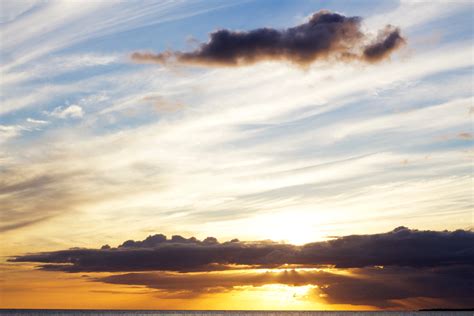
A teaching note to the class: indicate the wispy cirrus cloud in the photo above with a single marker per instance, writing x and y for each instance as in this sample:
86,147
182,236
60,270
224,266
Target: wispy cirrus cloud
55,30
8,132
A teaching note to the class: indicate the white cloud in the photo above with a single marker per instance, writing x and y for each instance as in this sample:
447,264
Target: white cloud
59,24
58,65
72,111
407,14
8,131
35,121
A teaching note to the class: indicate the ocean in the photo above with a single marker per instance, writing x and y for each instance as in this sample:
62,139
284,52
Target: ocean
223,313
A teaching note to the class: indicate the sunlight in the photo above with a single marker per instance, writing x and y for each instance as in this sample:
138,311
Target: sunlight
290,228
282,296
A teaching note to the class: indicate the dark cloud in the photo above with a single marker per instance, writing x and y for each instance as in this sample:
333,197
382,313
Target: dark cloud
390,286
385,288
194,284
403,268
401,247
325,35
387,41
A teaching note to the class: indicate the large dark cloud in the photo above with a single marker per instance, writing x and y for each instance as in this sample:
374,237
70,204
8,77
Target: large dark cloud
387,287
449,287
325,35
401,247
403,268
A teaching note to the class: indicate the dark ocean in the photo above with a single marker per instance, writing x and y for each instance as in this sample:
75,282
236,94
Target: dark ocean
223,313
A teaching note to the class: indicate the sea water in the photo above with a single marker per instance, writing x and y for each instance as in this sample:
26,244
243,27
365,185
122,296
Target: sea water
223,313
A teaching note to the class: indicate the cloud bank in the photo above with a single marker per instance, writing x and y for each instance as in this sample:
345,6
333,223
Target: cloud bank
403,268
401,247
325,36
391,287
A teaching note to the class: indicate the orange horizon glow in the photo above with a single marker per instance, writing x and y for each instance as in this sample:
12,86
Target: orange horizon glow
56,290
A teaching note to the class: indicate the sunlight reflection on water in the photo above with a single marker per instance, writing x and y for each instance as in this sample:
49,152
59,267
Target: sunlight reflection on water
225,313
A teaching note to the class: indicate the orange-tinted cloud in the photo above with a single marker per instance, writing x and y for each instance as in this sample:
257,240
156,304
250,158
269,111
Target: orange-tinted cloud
162,104
465,135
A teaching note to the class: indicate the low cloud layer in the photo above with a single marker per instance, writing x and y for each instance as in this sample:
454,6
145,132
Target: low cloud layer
391,287
403,268
325,36
401,247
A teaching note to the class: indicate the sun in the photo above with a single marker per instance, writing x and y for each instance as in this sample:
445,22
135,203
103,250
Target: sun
292,228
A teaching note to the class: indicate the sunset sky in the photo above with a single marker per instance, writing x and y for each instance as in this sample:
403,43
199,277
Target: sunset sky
325,147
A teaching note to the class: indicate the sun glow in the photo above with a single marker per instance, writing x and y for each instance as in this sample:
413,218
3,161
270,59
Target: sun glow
273,296
290,228
48,288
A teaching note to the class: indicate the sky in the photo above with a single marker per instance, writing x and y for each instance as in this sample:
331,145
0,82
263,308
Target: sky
304,154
